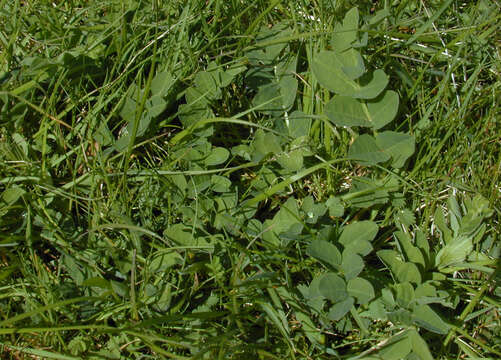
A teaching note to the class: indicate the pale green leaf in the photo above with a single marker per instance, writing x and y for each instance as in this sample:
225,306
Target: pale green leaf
399,146
217,156
325,252
361,289
292,160
220,183
333,287
396,349
335,206
424,316
454,252
347,111
346,33
404,294
264,143
161,83
411,252
357,236
340,309
366,151
419,346
351,265
383,109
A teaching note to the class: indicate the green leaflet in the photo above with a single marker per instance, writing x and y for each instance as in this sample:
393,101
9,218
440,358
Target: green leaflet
347,111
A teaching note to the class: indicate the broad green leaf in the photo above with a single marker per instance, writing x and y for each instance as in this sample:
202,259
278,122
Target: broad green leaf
180,234
333,287
190,114
23,145
155,106
325,252
335,206
401,270
419,345
411,252
424,316
226,77
312,210
12,194
292,160
264,143
270,52
407,272
360,230
399,146
422,243
207,85
396,349
97,282
351,265
347,111
425,290
308,327
340,309
220,183
195,97
352,63
360,289
346,33
383,109
404,294
163,260
370,88
299,124
287,218
366,192
400,316
357,236
217,156
379,16
128,110
161,83
269,236
454,252
439,221
477,210
242,151
276,98
327,68
365,151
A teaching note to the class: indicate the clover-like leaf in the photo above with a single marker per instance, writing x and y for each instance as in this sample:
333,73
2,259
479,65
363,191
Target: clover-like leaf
217,156
325,252
333,287
333,71
361,289
366,151
372,88
347,111
340,309
454,252
399,146
351,265
424,316
357,236
345,34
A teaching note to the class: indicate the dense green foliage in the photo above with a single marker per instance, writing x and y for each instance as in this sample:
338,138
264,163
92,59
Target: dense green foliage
308,179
